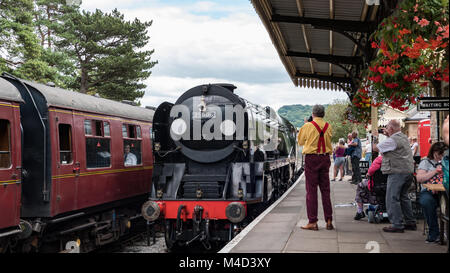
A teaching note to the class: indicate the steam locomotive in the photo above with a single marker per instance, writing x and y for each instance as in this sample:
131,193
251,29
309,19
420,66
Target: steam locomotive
63,179
219,160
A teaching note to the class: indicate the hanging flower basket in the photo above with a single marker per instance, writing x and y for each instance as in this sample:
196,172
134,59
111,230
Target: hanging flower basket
413,47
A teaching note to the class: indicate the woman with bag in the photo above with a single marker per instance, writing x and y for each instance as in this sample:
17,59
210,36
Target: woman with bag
430,171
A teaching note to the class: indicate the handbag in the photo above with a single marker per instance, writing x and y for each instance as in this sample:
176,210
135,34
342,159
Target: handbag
349,151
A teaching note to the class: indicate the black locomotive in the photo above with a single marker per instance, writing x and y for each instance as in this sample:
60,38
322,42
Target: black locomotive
219,160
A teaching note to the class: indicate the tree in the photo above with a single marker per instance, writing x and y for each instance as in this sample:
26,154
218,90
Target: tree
109,53
48,16
296,113
21,53
335,115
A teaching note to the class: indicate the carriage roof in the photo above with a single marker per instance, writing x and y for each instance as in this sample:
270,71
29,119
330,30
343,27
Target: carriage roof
62,98
9,92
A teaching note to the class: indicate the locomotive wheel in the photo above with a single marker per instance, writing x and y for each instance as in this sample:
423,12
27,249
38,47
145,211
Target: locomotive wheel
3,245
169,235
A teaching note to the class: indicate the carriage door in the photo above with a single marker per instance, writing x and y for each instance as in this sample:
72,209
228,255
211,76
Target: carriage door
67,166
10,161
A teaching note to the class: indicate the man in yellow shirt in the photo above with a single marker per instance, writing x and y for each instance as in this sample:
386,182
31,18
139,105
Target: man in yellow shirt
315,137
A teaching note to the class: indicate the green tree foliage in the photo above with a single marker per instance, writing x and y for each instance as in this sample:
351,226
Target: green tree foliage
49,40
20,53
48,15
335,115
108,51
296,113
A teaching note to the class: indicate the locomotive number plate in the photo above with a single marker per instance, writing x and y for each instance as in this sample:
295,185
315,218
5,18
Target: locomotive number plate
203,115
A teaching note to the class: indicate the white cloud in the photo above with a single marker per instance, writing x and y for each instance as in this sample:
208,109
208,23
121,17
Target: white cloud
210,42
165,88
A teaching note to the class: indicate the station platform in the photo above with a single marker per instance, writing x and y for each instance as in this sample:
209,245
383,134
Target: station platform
277,230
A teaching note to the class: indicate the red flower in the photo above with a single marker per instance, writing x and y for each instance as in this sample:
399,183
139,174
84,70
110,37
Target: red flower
376,79
446,32
404,31
391,85
373,69
374,45
424,22
390,71
381,70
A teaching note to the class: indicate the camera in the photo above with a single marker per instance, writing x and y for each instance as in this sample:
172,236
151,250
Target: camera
310,119
381,131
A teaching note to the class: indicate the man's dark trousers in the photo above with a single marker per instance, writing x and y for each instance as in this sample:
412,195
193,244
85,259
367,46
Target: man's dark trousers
356,177
317,170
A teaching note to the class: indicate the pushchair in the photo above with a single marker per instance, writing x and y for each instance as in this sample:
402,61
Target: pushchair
377,213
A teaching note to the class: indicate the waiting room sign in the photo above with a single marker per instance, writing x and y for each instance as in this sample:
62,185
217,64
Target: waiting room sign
433,104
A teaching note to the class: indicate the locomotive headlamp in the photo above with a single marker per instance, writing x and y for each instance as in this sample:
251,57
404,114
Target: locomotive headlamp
157,146
240,193
150,211
159,193
235,212
227,127
199,193
245,144
178,127
202,104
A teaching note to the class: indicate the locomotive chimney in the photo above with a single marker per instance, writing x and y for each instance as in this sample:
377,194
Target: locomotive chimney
228,86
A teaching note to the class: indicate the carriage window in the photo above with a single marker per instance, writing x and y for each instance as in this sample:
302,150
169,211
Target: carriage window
132,147
5,152
124,131
98,128
65,144
87,127
98,148
138,132
98,153
132,152
106,129
131,131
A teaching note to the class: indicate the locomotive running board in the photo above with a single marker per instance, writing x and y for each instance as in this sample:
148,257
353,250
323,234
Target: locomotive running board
278,163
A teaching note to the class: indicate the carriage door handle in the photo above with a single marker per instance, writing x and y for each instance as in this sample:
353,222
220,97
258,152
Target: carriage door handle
76,170
15,175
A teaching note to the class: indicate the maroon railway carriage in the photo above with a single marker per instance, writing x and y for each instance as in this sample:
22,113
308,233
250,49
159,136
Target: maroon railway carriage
78,183
10,161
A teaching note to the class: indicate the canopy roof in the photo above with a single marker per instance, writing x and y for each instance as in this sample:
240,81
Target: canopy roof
323,43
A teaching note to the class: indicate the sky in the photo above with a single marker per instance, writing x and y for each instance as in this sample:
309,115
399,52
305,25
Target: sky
217,41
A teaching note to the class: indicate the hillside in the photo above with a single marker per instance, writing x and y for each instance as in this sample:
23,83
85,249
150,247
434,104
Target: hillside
296,113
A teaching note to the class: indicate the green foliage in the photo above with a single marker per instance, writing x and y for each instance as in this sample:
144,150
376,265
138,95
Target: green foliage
20,51
296,113
334,114
109,53
93,52
23,51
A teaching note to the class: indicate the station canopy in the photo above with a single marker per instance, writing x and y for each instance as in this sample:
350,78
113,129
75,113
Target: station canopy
324,43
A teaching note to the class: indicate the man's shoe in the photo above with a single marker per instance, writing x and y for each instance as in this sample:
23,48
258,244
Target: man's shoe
359,215
431,241
393,229
410,227
330,225
311,226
